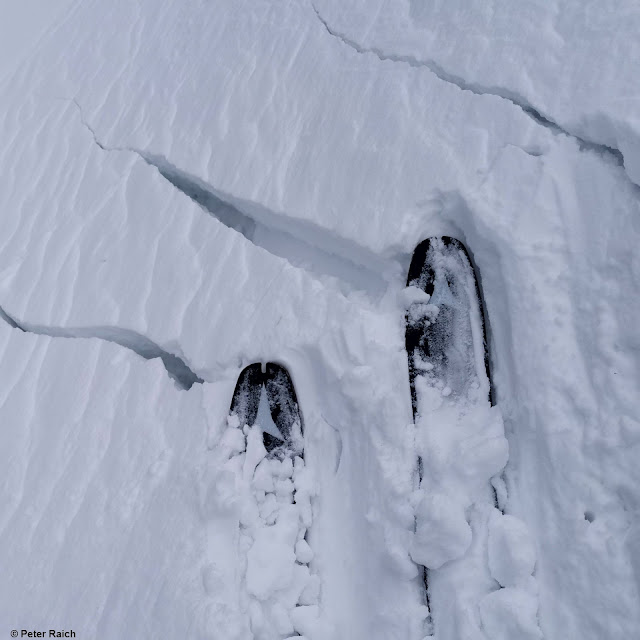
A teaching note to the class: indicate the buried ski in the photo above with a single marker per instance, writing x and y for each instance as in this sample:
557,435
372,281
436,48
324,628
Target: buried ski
275,491
459,435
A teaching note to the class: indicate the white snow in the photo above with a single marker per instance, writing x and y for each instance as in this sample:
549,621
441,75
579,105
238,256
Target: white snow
324,142
557,58
510,613
23,24
442,531
512,555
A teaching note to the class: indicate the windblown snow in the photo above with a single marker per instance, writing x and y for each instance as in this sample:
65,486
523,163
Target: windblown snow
191,187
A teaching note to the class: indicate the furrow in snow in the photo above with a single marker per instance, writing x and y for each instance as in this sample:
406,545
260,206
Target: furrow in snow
175,366
303,244
477,89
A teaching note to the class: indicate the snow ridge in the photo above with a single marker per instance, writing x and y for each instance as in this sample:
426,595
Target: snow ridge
302,244
175,366
477,89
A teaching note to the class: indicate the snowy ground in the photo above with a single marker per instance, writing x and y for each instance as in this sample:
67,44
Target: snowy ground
211,184
23,25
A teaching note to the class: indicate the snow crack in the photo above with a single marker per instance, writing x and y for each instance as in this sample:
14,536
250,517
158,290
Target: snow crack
302,243
464,85
90,128
143,346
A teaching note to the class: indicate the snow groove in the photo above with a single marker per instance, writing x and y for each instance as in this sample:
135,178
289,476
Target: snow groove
175,366
464,85
303,244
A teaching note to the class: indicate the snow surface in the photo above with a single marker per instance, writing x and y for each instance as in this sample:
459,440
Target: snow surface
23,24
208,185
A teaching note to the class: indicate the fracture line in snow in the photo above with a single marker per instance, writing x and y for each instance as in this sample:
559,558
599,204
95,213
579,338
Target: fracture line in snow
89,128
303,244
477,89
175,366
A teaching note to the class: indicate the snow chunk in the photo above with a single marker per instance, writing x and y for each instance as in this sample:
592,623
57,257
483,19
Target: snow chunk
232,442
269,509
255,452
281,619
263,477
512,555
304,553
461,451
269,567
442,531
305,619
510,613
412,295
311,593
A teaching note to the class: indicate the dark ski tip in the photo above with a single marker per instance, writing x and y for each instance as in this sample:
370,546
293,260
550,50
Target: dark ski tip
283,406
429,336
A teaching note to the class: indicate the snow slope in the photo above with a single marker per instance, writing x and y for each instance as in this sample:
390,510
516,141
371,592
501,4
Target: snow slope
570,65
23,25
101,454
231,182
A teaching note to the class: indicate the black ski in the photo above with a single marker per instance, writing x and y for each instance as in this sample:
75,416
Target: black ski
246,396
277,490
438,337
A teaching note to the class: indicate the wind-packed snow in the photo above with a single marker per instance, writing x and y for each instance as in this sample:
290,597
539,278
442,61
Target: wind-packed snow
23,25
512,555
571,66
209,185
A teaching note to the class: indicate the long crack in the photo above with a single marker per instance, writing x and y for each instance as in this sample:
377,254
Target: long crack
464,85
299,251
302,243
175,366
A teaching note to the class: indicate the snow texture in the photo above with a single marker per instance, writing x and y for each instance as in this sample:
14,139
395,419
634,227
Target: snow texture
220,184
512,555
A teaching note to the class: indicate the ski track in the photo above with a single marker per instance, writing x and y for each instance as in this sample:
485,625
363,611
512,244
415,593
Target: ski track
447,597
303,244
464,85
276,491
177,369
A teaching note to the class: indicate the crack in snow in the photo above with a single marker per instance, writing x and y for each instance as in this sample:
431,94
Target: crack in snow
477,89
301,243
339,443
143,346
90,128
